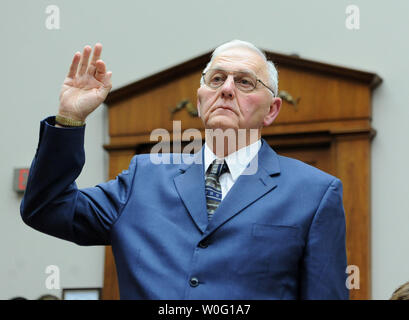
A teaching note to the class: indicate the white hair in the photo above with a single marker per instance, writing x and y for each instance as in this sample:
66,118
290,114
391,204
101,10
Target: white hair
271,70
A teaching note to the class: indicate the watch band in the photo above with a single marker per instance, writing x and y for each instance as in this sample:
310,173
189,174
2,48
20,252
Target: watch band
68,122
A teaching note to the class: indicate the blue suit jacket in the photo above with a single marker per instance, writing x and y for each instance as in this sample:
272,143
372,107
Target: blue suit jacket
278,234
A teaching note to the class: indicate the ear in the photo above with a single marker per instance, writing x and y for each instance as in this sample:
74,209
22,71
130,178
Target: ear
274,110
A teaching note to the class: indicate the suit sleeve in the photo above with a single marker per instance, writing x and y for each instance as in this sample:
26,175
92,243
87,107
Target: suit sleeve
53,204
323,270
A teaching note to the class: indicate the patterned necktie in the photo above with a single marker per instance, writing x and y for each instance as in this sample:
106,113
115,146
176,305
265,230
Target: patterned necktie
213,188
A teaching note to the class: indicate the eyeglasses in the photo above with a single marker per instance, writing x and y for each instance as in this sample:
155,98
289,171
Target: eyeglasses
244,81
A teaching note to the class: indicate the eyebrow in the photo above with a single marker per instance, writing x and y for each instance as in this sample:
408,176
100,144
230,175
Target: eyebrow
239,71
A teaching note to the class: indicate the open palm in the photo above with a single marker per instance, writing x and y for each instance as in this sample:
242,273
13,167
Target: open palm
86,85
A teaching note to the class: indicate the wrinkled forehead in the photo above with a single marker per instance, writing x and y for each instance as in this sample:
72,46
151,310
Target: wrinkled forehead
241,59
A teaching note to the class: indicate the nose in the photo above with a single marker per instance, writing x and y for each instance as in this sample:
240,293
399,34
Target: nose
228,88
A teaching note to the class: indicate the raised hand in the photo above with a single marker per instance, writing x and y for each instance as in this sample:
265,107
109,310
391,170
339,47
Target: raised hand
86,85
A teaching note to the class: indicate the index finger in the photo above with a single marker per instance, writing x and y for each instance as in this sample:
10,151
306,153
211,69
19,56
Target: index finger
74,65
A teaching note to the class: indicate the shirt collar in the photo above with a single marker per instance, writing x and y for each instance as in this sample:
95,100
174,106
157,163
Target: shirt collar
237,161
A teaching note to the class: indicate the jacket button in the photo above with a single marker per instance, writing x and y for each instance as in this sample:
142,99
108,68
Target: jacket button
194,282
203,244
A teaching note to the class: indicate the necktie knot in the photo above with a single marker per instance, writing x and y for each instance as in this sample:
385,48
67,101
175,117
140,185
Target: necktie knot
217,168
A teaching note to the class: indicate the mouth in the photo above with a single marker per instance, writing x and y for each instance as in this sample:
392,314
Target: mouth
223,107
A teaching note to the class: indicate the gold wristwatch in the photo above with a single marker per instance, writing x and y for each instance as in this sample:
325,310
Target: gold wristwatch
68,122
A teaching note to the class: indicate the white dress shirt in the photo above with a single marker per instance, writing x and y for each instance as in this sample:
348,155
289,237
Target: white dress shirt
237,163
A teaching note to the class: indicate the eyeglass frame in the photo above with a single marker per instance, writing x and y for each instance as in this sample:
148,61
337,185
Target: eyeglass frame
229,72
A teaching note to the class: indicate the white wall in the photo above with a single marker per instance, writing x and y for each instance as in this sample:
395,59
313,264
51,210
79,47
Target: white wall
143,37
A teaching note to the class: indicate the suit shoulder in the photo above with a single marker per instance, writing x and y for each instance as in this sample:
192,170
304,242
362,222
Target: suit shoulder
303,171
165,161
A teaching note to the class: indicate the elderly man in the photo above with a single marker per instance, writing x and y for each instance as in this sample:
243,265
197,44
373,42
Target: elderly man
211,229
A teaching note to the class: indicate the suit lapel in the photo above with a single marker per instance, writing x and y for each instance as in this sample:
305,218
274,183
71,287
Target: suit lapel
190,185
248,188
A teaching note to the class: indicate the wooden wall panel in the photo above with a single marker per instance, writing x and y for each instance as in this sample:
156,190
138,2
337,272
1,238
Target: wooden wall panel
353,168
322,97
148,110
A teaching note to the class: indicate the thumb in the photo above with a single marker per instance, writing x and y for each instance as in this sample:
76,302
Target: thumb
106,85
106,81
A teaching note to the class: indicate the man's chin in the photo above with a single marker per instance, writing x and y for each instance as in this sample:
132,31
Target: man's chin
222,122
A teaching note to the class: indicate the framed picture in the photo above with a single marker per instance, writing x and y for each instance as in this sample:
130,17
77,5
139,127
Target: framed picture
81,294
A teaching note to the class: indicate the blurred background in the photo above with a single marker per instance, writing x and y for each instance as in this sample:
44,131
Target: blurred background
141,38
